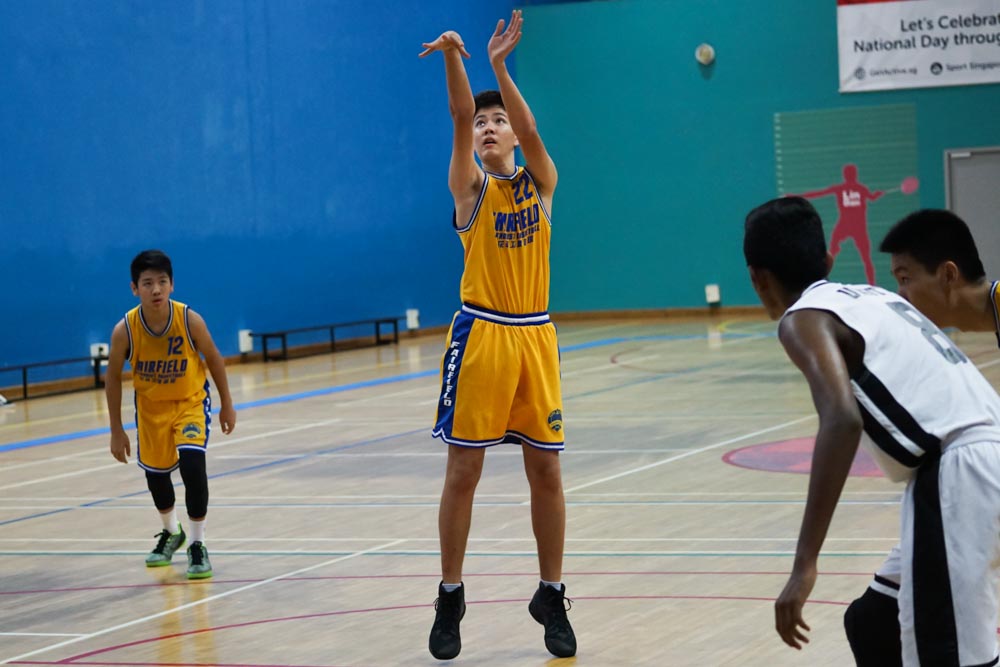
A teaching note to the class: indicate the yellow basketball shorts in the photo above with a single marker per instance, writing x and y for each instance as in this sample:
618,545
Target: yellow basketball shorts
164,427
500,381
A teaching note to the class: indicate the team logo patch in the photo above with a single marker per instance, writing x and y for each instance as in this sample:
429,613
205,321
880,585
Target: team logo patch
192,431
555,420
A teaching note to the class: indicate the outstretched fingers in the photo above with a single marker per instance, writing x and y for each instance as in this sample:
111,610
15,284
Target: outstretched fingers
447,41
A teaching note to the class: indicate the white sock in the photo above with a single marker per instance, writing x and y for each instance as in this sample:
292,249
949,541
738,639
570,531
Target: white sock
451,588
553,584
197,530
169,520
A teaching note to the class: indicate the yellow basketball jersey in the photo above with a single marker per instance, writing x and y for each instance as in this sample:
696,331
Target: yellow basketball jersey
165,365
507,247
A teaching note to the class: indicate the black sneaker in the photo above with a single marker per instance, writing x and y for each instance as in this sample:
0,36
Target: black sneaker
549,607
166,544
445,642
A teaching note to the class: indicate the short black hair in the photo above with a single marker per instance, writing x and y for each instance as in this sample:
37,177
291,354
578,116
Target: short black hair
151,260
487,99
785,236
934,236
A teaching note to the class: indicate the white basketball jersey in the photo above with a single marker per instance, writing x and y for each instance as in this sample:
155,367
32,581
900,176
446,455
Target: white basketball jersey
918,393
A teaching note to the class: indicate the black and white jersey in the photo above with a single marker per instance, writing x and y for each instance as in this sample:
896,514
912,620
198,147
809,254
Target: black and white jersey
918,393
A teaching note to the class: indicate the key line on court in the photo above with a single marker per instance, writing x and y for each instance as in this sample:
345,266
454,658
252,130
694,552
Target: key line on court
215,445
104,507
196,603
95,504
700,450
644,380
360,385
892,494
263,553
251,538
40,634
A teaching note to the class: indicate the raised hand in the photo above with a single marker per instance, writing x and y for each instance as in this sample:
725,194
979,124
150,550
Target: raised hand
503,41
448,41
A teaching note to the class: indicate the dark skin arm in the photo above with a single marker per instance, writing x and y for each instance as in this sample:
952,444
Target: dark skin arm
825,350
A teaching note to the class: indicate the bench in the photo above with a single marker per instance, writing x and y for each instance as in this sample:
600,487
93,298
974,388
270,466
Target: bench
94,362
283,334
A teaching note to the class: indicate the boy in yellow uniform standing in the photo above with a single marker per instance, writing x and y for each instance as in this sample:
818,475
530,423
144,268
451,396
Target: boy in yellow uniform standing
500,373
164,341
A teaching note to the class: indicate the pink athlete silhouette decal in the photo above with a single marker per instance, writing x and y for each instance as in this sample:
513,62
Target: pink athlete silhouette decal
852,207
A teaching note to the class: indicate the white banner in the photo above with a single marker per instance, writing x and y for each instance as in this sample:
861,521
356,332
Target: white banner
887,44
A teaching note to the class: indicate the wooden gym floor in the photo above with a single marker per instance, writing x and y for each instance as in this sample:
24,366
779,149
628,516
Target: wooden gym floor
687,444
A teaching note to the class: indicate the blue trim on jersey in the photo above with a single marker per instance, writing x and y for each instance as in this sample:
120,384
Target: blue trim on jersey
206,403
541,204
170,321
187,330
504,177
131,346
475,211
522,320
138,436
508,438
450,370
159,470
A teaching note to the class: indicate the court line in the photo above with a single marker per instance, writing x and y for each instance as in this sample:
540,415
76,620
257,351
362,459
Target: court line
97,503
643,540
102,505
797,494
444,454
690,453
349,387
75,660
215,445
644,380
189,605
49,461
362,577
691,553
40,634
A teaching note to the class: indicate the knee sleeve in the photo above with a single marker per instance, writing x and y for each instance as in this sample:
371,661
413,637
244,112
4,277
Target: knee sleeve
872,626
161,488
195,476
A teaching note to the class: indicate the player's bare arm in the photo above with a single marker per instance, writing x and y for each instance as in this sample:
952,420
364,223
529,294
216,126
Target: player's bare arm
121,449
465,178
216,366
814,340
522,121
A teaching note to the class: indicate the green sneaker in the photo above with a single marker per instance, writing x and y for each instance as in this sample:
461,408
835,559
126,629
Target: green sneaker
166,545
199,567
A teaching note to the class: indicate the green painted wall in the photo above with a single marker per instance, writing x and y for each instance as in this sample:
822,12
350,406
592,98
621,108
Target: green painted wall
660,159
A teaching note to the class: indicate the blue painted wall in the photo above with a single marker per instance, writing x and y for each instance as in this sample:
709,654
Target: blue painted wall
291,158
660,160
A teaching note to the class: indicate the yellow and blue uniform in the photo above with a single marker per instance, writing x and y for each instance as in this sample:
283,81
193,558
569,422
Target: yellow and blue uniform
500,372
172,400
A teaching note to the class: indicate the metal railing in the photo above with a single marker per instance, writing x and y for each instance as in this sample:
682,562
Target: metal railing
95,363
